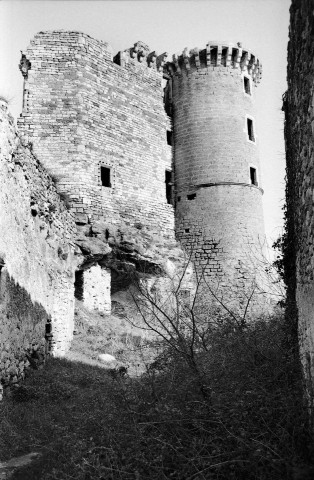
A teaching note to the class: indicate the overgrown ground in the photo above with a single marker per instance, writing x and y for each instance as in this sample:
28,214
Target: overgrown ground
231,411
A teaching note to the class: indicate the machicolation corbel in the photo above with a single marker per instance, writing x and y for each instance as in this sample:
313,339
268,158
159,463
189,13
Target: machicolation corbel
151,59
161,60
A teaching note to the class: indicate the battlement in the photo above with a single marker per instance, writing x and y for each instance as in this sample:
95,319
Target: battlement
216,54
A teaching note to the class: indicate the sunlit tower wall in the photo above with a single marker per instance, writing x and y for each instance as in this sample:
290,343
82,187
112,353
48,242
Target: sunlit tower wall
210,96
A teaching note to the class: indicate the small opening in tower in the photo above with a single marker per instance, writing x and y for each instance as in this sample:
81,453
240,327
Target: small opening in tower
247,85
191,196
105,176
169,137
250,130
187,230
179,199
253,176
168,181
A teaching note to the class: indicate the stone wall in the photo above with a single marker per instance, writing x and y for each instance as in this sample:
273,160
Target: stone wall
36,258
299,131
83,112
92,286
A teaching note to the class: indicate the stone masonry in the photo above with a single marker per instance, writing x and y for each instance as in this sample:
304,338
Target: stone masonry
218,197
102,126
37,262
116,158
94,284
299,136
99,127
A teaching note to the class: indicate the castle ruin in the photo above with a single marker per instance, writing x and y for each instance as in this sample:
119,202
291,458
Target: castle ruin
143,152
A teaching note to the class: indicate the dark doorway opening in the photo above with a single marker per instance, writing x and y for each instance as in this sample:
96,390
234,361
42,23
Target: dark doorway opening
169,184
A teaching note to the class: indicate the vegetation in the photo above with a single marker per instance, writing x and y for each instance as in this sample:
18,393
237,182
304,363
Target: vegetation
231,409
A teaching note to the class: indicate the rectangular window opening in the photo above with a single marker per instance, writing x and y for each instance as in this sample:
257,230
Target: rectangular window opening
187,230
169,137
105,177
191,196
250,130
179,199
247,85
253,176
169,184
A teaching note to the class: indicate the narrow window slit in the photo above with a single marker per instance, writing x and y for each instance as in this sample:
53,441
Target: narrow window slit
169,137
168,181
250,130
247,85
191,196
253,176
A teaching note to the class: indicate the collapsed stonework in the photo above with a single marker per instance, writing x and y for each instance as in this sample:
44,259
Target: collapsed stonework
298,106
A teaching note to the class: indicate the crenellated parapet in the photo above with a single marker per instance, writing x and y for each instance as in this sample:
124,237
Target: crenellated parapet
140,53
216,54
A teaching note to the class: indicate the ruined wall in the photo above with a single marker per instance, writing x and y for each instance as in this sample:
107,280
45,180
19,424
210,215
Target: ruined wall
219,216
92,286
82,112
299,131
36,258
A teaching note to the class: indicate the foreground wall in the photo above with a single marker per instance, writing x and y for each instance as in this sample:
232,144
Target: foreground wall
299,131
36,259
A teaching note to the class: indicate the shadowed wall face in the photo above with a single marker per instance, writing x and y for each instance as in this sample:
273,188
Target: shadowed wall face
299,131
36,251
23,327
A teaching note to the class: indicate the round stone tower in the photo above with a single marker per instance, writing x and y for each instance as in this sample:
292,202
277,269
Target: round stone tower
218,195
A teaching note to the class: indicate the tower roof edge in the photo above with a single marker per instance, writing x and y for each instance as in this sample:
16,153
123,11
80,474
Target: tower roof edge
216,54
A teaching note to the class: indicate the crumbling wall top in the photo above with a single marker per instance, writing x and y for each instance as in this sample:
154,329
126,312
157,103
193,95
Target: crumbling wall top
140,54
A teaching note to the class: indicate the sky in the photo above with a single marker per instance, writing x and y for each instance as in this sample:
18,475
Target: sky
170,26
